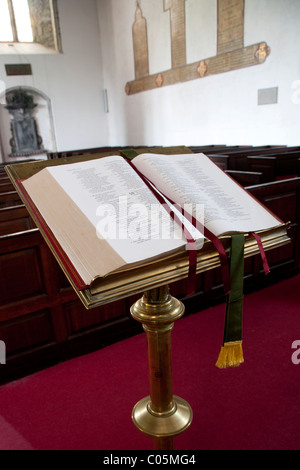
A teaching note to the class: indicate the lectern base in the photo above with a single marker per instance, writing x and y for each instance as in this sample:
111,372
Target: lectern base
162,425
160,415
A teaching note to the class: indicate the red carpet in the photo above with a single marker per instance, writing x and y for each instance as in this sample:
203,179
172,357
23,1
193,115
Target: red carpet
86,403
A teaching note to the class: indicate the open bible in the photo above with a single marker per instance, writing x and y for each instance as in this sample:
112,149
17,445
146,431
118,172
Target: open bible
109,215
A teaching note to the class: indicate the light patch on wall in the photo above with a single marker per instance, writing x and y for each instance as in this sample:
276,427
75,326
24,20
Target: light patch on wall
105,101
267,96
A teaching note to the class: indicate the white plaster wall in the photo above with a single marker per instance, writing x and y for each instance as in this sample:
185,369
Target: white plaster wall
72,80
220,109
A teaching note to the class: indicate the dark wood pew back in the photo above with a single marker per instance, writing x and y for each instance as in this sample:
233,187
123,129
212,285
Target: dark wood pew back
15,219
265,165
222,161
10,198
283,199
6,185
246,178
237,157
42,321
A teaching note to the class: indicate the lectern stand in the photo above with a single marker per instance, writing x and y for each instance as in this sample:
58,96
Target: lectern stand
160,415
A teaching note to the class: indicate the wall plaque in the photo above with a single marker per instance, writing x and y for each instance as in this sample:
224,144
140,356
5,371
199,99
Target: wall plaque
231,53
267,96
230,25
140,43
18,69
178,36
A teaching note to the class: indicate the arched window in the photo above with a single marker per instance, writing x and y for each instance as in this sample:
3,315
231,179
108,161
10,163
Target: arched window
33,24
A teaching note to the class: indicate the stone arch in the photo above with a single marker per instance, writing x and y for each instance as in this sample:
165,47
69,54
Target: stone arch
41,124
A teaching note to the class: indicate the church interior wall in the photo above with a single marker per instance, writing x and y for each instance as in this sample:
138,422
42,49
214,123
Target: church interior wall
217,109
72,80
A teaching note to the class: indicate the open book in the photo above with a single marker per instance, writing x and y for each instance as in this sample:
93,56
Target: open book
109,214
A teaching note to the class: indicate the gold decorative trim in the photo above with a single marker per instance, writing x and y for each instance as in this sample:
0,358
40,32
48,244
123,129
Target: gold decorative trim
262,52
159,80
202,68
234,60
231,53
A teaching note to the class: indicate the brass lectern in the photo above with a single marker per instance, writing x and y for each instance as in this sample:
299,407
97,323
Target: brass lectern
161,415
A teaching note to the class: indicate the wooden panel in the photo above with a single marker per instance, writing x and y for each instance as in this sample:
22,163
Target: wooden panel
283,198
14,219
279,255
20,275
230,25
284,205
28,331
235,60
246,178
41,317
78,318
6,185
178,33
10,198
265,165
222,161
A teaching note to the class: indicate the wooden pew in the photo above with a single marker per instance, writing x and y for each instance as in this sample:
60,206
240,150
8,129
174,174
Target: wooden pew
284,162
6,185
10,198
15,219
238,160
254,150
86,151
208,149
42,321
238,156
283,199
274,166
246,178
237,149
267,166
222,161
75,152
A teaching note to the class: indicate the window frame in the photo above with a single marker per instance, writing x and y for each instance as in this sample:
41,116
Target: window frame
40,41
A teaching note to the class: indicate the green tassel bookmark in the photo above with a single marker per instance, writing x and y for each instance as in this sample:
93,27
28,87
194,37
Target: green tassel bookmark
231,354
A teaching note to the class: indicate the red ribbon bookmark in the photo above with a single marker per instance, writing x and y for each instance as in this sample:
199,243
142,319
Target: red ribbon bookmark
262,252
190,240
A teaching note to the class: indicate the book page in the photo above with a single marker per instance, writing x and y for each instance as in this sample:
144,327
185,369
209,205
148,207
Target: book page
55,210
195,179
121,208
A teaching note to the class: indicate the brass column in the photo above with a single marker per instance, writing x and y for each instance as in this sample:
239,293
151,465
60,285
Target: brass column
160,415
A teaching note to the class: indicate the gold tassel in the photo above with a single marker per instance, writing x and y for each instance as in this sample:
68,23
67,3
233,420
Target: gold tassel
231,355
